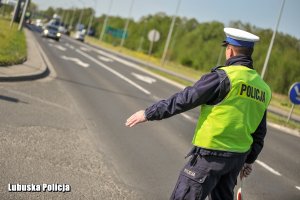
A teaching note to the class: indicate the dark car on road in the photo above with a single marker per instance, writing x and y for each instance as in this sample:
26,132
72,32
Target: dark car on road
51,31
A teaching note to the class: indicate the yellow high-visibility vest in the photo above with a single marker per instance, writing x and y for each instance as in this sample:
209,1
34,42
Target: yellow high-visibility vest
228,125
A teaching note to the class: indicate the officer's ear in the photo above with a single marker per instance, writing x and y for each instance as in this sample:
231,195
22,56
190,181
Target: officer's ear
230,51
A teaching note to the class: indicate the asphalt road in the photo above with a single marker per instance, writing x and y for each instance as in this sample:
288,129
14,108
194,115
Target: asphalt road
108,89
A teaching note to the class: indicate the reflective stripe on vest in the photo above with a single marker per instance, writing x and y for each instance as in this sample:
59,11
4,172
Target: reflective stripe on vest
228,125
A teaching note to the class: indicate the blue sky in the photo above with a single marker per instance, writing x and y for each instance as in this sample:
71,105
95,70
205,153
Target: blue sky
261,13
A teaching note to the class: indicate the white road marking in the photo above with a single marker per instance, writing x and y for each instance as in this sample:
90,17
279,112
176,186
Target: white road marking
114,72
297,187
156,98
146,79
137,67
70,46
84,49
76,60
189,117
105,59
132,65
267,167
60,47
51,41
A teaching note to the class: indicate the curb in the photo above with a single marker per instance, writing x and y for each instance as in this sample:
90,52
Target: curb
43,69
289,131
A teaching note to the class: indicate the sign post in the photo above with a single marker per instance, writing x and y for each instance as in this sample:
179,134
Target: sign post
294,94
153,36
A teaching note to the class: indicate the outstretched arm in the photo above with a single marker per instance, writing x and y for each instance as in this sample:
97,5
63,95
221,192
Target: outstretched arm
205,91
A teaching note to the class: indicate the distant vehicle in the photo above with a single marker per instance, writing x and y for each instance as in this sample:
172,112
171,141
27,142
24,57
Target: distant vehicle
51,31
39,23
79,35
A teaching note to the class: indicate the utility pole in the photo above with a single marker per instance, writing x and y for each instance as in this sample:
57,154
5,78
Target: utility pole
16,13
91,21
127,23
80,17
72,18
66,19
272,41
170,34
23,15
92,17
140,47
106,20
81,14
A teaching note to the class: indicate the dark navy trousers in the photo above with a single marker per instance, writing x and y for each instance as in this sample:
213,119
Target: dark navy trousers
209,174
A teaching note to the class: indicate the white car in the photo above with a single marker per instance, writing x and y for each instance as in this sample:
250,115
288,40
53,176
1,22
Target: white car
79,35
39,23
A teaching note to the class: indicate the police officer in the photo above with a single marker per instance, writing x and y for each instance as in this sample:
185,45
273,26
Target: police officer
231,127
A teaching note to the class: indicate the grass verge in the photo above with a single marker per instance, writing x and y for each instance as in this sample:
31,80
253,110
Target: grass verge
13,44
283,121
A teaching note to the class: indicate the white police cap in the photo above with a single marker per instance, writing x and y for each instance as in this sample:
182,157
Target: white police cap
237,37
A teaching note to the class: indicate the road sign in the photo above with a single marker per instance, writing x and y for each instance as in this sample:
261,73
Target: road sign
153,35
118,33
294,93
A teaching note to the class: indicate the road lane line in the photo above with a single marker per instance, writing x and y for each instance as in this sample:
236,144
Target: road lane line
189,117
105,59
156,98
297,187
84,49
70,46
130,64
146,79
114,72
76,60
270,169
60,47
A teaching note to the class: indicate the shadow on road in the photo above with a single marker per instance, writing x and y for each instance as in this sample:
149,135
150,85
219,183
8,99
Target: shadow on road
11,99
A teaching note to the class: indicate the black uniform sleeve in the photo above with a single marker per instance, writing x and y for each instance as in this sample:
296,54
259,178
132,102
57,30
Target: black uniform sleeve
204,91
258,140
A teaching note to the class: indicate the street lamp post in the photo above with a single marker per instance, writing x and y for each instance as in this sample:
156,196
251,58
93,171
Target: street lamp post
72,18
170,34
81,14
23,15
126,24
92,17
140,47
272,41
16,12
106,20
80,17
62,17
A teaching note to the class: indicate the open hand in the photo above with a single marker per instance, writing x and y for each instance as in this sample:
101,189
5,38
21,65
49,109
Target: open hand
136,118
